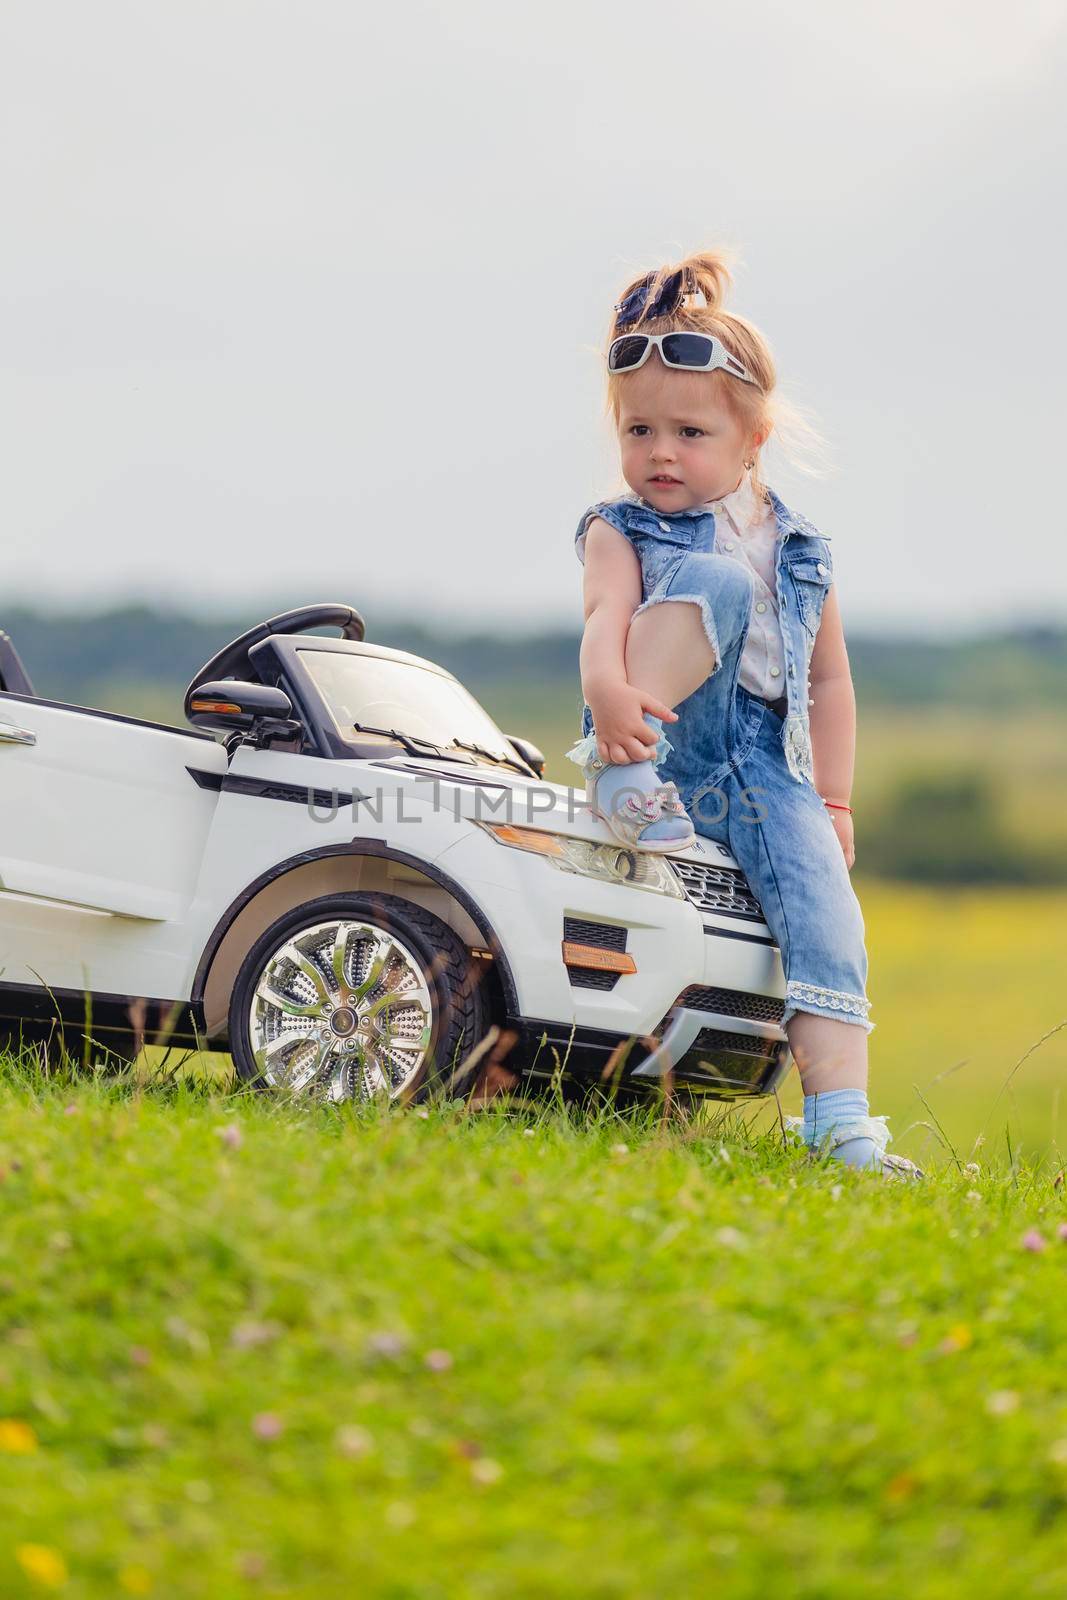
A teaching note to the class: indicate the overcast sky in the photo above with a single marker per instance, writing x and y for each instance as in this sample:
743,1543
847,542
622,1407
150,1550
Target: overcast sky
304,301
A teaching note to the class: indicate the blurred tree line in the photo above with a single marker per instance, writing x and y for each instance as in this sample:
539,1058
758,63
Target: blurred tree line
934,826
990,671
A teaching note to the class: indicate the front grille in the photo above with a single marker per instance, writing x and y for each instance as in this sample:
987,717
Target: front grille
590,978
730,1066
718,1039
732,1003
606,936
723,890
746,1044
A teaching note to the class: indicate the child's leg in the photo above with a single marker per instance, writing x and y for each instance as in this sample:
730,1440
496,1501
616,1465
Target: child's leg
675,646
782,837
678,636
684,645
668,651
831,1059
829,1054
666,646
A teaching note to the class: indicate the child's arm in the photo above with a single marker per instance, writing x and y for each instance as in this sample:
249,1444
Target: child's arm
611,594
833,718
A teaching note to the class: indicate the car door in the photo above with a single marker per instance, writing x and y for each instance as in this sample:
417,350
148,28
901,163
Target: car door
100,810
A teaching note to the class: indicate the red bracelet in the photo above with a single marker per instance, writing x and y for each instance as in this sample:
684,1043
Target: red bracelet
835,807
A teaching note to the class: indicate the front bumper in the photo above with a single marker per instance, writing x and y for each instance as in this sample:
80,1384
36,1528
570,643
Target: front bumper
707,997
718,1054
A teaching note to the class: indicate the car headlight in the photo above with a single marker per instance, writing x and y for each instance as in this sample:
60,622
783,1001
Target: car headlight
611,863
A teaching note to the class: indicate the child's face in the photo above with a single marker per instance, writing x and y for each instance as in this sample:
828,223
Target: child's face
680,445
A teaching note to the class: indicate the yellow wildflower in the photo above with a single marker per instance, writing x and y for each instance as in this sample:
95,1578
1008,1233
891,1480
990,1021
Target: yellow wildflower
17,1438
43,1564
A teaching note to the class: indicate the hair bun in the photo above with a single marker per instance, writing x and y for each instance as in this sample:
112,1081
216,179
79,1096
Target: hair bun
699,282
710,275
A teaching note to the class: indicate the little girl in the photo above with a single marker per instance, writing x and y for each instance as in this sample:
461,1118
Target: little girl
704,592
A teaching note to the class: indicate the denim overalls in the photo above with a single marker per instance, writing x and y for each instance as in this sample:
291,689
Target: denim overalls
742,766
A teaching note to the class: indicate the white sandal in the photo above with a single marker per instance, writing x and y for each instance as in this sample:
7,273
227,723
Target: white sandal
888,1164
638,811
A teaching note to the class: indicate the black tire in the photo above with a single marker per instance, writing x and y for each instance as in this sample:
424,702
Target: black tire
452,984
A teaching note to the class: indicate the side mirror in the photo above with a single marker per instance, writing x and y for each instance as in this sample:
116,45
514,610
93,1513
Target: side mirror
247,707
529,752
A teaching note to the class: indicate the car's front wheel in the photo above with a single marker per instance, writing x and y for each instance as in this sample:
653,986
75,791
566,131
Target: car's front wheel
354,995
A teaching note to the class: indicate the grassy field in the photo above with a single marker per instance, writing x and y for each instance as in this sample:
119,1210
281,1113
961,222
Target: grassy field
250,1348
970,1010
256,1348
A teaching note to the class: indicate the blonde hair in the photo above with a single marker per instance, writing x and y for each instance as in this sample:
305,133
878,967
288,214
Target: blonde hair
759,407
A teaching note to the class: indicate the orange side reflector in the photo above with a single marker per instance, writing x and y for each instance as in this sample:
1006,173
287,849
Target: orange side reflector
212,705
591,955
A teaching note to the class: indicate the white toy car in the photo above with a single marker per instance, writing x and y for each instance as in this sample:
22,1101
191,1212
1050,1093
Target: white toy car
349,880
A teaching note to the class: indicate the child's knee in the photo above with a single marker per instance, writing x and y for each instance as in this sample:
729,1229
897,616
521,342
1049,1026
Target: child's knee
722,579
722,591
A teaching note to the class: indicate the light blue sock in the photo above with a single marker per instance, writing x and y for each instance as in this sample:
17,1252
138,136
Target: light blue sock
823,1112
663,746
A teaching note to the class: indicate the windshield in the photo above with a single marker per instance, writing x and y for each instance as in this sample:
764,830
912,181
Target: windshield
380,693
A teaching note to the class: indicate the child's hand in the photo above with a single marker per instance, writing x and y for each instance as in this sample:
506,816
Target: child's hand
842,821
622,733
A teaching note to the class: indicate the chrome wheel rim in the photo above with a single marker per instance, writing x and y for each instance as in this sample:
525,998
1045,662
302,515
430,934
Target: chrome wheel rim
341,1011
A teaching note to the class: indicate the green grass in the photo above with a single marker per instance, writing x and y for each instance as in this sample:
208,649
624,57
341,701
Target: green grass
968,996
256,1348
701,1364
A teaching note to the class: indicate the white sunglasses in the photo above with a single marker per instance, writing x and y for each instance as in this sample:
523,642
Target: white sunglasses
692,352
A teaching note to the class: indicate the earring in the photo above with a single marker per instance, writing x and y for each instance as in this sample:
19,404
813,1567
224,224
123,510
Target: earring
750,464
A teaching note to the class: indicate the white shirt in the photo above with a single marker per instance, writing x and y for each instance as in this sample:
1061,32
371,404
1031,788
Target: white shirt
746,529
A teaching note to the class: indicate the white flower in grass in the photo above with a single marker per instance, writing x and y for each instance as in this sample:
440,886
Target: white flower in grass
353,1441
731,1238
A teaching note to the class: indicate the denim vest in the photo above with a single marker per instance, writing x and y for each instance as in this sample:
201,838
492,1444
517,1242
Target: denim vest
803,573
